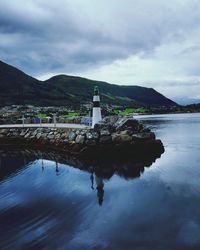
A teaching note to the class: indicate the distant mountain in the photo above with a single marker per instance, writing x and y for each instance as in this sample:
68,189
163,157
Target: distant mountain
193,106
187,101
19,88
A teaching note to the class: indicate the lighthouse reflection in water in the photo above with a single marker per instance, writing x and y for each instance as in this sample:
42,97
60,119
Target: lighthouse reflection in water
98,185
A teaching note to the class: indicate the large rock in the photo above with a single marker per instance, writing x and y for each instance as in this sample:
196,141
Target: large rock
44,135
104,127
125,138
104,132
51,136
126,132
27,135
143,137
23,132
111,119
72,136
92,135
116,138
3,131
89,136
63,136
57,137
145,130
80,139
128,124
121,138
38,135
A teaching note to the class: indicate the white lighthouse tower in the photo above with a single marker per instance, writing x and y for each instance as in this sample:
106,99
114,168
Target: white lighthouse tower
96,112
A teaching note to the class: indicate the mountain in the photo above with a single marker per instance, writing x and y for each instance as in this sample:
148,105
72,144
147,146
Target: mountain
20,88
187,101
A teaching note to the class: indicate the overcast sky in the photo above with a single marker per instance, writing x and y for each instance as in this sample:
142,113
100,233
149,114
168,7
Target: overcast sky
152,43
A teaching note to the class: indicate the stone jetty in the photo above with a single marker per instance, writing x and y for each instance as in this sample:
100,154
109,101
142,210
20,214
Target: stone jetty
114,137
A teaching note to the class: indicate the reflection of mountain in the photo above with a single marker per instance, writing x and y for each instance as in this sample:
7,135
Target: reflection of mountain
12,161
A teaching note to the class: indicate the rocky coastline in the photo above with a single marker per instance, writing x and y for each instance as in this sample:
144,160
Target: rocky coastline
114,137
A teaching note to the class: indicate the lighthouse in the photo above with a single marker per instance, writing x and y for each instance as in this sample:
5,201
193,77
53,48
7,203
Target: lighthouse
96,112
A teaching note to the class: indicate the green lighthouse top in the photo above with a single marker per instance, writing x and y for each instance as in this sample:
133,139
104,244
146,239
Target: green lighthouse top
96,90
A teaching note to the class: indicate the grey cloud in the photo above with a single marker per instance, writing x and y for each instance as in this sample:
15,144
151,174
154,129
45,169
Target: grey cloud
70,36
177,83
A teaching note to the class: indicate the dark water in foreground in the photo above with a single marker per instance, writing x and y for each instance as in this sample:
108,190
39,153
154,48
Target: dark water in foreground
44,205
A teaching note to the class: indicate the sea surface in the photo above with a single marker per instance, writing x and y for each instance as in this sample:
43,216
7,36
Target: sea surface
46,204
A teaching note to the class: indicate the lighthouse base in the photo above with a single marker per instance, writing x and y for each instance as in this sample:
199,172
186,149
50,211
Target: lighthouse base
96,116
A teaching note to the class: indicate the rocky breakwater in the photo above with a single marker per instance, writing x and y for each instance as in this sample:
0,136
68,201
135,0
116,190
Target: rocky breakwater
114,137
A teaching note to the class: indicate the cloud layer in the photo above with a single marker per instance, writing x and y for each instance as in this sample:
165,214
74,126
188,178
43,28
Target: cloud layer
152,43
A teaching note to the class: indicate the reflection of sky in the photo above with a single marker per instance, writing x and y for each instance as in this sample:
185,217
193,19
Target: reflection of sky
159,209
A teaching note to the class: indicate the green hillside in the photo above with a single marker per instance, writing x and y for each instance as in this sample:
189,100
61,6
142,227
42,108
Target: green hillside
19,88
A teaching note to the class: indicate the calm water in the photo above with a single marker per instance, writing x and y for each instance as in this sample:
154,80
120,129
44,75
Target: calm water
44,205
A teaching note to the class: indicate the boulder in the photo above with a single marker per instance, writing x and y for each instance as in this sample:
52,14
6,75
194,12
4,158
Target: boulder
126,132
3,131
121,138
23,132
50,136
125,138
104,126
92,135
15,134
80,139
44,135
116,138
27,135
38,135
143,136
145,130
77,132
72,136
83,132
57,136
104,132
63,136
95,135
111,119
128,124
89,136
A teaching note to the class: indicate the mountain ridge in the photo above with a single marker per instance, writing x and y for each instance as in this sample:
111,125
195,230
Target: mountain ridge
19,88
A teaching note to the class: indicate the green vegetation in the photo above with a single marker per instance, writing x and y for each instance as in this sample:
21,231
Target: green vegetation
40,115
127,111
71,115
